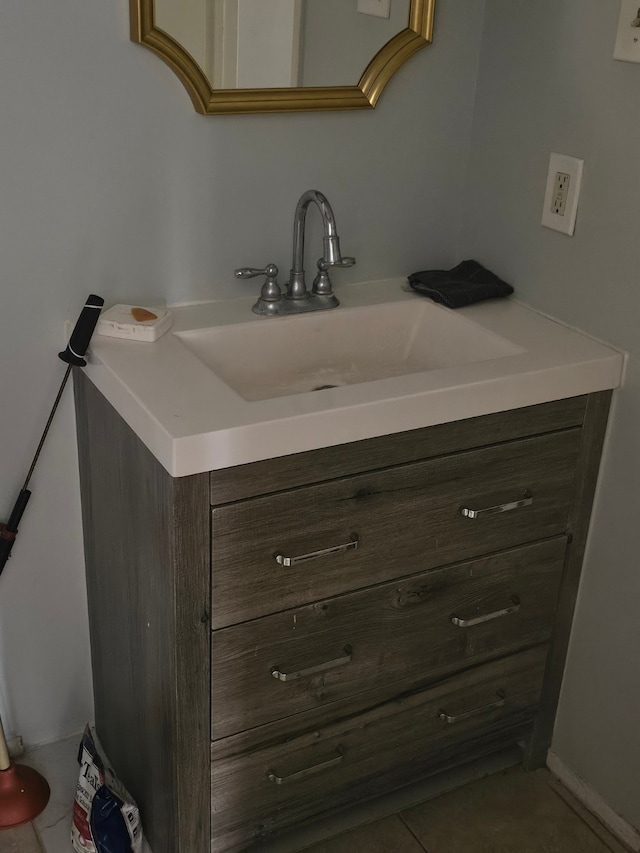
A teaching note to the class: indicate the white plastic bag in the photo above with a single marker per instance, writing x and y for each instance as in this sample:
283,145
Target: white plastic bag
105,818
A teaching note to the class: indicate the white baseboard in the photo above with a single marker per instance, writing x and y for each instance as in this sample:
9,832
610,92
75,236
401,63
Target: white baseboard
16,747
623,830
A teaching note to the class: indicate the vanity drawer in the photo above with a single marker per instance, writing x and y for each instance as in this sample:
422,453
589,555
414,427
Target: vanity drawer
398,635
280,551
392,744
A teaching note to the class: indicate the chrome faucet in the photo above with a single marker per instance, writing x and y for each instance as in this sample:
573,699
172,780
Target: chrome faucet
331,255
297,298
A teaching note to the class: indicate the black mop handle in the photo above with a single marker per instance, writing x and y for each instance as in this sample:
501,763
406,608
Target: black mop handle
82,332
73,355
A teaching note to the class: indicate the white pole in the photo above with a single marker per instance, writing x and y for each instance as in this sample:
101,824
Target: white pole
5,761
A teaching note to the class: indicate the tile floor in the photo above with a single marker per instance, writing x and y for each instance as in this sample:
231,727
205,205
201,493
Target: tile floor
507,811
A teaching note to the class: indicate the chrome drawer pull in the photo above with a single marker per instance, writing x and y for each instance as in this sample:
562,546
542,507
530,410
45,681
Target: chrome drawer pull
478,620
312,670
467,512
308,771
292,561
465,715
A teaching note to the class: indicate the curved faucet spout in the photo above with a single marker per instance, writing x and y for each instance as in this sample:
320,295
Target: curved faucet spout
298,299
331,242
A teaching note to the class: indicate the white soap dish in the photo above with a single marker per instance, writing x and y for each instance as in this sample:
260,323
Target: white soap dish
134,322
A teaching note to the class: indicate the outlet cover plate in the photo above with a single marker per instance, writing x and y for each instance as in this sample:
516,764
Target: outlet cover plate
628,39
564,220
378,8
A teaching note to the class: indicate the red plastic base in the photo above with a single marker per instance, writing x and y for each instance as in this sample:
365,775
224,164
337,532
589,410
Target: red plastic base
23,795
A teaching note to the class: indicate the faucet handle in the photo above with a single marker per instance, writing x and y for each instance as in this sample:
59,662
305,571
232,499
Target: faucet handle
270,293
271,271
322,282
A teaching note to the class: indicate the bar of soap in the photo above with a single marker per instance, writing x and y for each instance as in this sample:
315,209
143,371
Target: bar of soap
141,315
134,322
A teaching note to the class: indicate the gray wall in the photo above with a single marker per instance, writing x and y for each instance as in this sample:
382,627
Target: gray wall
548,82
110,182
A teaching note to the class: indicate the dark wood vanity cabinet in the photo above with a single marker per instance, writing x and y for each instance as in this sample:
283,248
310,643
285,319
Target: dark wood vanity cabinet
280,639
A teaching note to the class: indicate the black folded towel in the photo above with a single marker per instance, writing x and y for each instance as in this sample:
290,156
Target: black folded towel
467,283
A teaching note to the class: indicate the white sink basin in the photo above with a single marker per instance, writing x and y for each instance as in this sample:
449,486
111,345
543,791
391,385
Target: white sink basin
299,354
226,388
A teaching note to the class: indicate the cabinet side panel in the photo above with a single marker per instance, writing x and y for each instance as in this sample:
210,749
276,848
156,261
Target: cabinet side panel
593,433
192,525
149,647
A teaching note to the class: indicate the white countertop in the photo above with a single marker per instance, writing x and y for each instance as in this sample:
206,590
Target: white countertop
193,422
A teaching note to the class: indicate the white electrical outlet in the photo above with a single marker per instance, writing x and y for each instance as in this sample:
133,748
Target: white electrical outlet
379,8
561,185
562,193
628,39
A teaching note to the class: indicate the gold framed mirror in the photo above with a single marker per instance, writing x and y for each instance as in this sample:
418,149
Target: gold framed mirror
163,26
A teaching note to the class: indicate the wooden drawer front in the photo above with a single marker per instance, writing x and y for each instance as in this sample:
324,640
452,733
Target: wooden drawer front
301,469
401,634
258,792
407,519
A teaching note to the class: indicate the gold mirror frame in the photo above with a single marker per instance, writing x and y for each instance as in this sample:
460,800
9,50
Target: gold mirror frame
209,101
